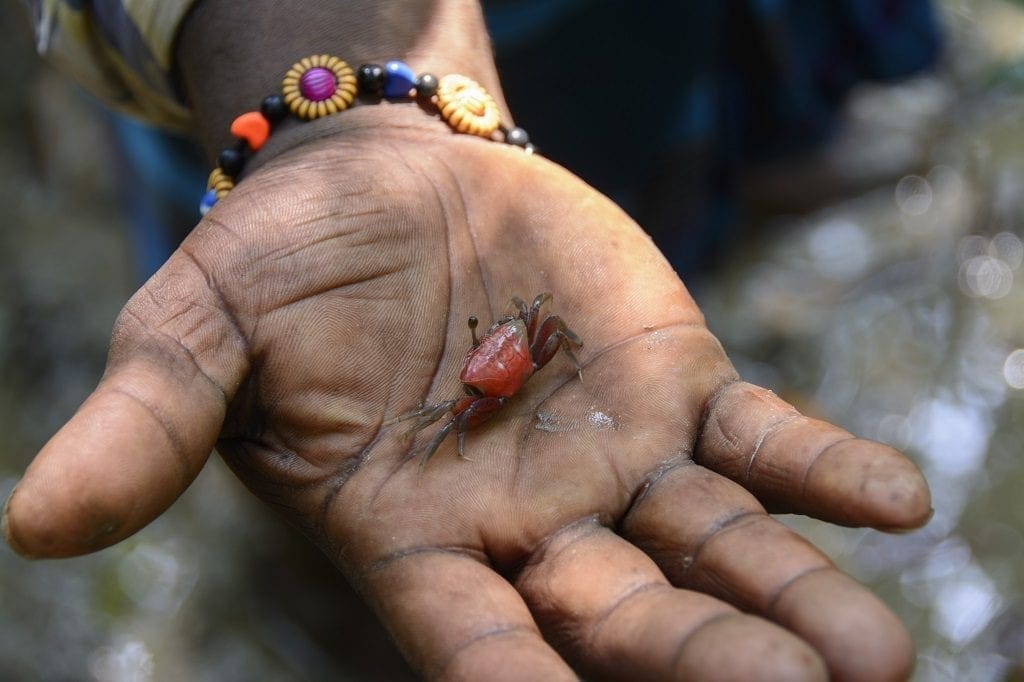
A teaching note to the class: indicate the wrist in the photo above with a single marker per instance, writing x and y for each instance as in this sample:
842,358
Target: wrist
228,62
385,123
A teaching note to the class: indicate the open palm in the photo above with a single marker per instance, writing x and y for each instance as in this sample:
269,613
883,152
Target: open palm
618,520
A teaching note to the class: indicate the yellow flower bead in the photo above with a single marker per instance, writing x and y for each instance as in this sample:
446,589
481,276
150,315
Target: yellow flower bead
317,86
466,106
220,182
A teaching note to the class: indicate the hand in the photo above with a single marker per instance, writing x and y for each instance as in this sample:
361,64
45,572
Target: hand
618,521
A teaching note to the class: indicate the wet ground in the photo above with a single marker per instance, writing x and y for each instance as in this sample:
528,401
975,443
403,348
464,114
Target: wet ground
896,310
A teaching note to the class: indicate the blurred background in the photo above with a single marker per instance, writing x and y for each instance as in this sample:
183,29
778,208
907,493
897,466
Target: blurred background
877,282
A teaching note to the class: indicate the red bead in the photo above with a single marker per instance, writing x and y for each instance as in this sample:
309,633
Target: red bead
253,127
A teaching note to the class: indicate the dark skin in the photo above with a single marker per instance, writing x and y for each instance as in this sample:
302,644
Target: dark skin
329,293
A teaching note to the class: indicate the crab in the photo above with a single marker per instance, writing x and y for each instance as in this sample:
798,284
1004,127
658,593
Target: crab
495,368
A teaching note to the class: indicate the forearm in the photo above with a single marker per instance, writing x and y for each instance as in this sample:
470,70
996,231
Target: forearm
228,61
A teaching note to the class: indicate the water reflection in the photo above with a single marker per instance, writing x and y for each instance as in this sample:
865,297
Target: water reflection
952,435
988,265
914,195
840,249
1013,369
129,660
158,578
965,598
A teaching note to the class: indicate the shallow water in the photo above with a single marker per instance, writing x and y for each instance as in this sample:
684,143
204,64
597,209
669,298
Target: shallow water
895,311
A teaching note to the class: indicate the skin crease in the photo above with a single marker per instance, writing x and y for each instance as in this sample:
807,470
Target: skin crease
329,292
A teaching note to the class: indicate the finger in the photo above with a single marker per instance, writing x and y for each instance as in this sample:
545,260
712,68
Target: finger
454,618
796,464
708,534
144,433
610,609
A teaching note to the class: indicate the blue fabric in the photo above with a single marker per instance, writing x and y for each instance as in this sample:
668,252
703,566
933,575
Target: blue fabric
635,94
163,178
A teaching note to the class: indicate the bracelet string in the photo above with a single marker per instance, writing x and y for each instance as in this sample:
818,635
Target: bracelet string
322,85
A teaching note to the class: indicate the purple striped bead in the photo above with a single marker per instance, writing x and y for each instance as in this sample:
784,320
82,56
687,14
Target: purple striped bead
317,84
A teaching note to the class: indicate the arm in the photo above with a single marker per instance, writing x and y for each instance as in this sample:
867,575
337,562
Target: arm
328,293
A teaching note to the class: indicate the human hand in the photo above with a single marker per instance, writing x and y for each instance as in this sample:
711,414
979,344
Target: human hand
616,524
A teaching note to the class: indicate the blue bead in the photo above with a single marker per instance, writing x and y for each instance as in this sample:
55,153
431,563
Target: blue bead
399,79
207,202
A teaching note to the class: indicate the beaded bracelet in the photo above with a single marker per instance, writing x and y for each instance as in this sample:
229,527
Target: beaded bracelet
321,85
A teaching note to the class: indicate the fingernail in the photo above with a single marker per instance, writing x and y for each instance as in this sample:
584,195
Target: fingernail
905,530
8,532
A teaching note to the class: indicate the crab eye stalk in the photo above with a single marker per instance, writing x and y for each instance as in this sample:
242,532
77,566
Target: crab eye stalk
473,322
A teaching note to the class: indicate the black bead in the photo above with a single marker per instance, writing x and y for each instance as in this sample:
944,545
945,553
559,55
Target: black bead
426,85
231,162
274,109
517,136
370,78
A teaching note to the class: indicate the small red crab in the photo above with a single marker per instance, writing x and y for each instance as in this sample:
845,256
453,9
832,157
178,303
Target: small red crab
495,368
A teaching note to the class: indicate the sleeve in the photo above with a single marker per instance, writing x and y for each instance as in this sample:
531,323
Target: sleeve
119,50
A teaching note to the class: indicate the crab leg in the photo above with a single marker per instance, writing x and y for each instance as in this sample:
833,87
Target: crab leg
520,306
435,442
552,335
533,315
540,300
425,416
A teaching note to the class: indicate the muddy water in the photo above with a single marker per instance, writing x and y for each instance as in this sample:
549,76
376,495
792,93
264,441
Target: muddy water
896,310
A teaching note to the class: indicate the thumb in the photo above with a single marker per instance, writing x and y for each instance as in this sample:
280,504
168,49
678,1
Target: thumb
176,359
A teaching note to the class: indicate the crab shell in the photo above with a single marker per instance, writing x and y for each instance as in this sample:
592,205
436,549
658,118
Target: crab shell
501,363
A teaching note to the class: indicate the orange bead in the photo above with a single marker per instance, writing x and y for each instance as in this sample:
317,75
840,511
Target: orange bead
252,127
